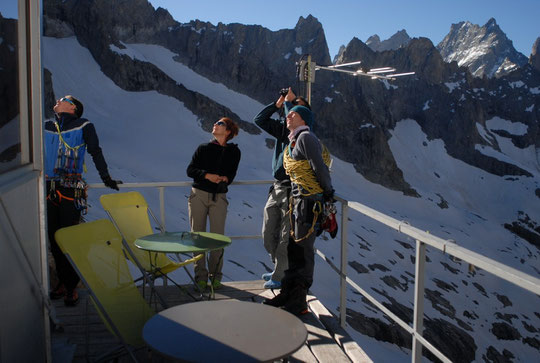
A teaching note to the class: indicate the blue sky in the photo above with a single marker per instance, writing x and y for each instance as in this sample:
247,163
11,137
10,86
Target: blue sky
344,19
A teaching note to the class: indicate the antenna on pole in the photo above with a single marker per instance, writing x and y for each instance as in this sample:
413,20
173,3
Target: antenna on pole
307,68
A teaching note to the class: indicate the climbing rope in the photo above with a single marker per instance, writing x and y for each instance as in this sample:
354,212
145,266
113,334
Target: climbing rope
301,173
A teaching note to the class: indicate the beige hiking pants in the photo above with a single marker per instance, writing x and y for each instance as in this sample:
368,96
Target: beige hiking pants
202,206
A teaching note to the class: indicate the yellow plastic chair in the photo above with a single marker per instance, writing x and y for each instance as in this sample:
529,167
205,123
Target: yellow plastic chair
129,213
95,251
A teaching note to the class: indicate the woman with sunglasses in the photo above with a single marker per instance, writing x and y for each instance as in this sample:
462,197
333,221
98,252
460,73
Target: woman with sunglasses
212,167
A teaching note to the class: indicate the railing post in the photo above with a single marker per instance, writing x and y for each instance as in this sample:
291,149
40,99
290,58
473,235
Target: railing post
162,206
418,323
343,267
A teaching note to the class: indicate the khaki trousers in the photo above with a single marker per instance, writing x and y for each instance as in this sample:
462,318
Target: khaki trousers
202,206
276,226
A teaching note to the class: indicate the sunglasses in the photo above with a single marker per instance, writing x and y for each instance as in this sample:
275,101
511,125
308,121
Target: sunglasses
63,99
220,123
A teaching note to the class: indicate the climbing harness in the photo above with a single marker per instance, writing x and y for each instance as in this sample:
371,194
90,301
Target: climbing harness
66,165
79,196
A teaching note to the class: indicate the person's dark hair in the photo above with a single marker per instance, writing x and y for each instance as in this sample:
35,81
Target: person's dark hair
79,108
300,98
231,126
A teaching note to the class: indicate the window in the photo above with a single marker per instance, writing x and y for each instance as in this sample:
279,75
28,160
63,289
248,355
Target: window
10,128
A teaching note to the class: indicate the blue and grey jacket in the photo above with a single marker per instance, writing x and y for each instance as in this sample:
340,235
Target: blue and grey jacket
65,151
278,129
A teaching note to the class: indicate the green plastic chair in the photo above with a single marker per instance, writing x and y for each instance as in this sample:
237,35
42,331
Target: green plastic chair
129,213
95,251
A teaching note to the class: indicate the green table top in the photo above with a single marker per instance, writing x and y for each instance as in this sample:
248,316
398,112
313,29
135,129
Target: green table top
182,242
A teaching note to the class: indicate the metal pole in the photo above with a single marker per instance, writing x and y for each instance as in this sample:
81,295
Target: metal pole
162,206
308,81
343,268
418,323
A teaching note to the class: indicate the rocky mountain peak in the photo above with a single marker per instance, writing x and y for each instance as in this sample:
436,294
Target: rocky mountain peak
492,25
398,40
534,60
309,20
485,50
374,39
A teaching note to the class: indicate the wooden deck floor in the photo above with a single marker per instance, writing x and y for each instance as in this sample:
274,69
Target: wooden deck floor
84,336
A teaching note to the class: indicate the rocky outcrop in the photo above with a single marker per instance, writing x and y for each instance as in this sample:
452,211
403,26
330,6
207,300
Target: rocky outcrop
48,95
485,50
234,53
526,228
451,340
534,59
398,40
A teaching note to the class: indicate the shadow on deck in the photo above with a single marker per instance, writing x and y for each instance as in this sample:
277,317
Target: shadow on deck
85,337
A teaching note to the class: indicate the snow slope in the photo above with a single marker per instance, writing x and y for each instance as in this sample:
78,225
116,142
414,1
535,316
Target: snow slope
147,136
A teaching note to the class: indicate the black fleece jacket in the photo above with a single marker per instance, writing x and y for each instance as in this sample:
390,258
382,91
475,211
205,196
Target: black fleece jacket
214,159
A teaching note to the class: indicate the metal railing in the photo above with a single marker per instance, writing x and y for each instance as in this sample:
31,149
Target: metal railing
422,239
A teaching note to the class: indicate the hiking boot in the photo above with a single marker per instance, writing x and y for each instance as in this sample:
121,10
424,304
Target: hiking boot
216,284
277,301
58,292
271,284
297,310
267,276
297,302
201,285
71,298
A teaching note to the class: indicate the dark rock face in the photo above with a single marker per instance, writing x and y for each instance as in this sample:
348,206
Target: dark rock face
505,331
493,355
358,267
452,341
48,97
485,50
534,59
525,228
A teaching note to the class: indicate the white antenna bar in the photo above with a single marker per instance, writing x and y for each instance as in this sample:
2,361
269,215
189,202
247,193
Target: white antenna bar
381,70
374,73
400,74
334,69
345,64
